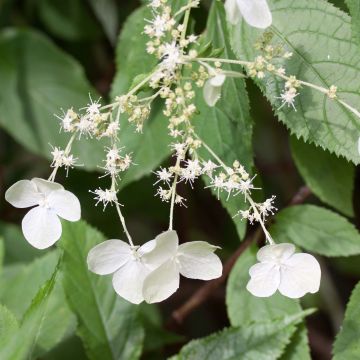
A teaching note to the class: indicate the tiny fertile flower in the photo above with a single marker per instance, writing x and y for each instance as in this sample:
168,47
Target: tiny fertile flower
212,89
129,264
41,225
194,260
279,268
255,12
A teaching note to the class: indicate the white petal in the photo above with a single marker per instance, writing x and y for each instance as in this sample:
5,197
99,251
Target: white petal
128,281
211,93
358,145
232,11
166,247
108,256
65,204
217,80
255,12
147,247
162,282
275,253
45,186
265,279
300,274
198,261
41,227
23,194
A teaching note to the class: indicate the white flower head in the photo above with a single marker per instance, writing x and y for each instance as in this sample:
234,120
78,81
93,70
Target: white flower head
212,89
255,12
130,265
194,260
41,225
279,268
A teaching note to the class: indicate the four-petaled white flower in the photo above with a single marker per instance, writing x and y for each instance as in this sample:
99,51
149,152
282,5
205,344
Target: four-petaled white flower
130,265
41,225
212,89
279,268
255,12
194,260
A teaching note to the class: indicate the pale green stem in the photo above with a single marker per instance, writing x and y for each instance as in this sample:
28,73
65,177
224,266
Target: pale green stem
173,193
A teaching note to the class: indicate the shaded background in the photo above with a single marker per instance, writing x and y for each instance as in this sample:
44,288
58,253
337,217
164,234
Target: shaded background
76,26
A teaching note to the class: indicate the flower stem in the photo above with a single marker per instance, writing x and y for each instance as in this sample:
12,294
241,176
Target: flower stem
173,193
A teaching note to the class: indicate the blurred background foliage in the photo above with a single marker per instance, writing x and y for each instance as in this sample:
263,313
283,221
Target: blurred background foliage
75,41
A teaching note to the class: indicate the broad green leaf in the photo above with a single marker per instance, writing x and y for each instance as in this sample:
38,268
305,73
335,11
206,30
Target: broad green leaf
347,344
19,284
354,8
17,249
151,147
298,349
254,342
2,253
319,35
243,308
316,229
330,178
71,20
108,325
8,323
31,325
227,127
37,81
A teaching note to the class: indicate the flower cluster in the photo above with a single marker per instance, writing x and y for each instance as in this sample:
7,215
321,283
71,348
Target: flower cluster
152,271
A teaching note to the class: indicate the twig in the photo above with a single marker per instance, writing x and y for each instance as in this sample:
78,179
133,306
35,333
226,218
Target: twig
201,295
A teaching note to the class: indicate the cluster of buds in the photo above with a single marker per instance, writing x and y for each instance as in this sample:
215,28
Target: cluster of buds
115,162
61,158
258,212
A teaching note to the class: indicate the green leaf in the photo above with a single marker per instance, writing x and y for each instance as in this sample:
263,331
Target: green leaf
151,147
108,325
354,8
31,325
8,323
254,342
2,253
38,80
227,127
19,284
316,229
298,349
330,178
70,20
319,35
245,309
17,249
347,344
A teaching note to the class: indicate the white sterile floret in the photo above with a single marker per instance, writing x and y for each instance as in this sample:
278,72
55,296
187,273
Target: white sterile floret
212,89
194,260
255,12
41,225
279,268
130,265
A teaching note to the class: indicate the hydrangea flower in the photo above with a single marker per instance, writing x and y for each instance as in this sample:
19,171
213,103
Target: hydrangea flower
129,264
279,268
212,89
255,12
194,260
41,225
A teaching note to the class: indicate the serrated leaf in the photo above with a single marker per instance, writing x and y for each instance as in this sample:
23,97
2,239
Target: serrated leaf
354,8
227,127
254,342
108,325
8,323
347,344
298,349
37,81
330,178
31,325
316,229
319,35
245,309
19,284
